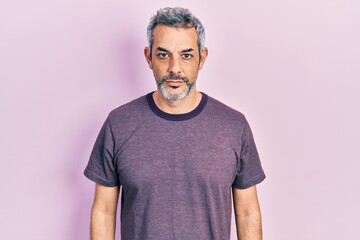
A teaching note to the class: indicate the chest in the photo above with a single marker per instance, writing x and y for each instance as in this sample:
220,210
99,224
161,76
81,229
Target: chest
178,155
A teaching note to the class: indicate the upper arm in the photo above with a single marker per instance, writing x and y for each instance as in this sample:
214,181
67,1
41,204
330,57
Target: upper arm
245,201
106,199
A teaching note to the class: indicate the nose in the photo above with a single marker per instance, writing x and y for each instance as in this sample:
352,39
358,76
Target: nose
174,66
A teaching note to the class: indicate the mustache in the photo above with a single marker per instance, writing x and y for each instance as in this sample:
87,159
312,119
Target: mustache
173,77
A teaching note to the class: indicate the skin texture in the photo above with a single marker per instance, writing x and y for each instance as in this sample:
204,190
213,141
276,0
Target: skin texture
103,213
247,214
175,53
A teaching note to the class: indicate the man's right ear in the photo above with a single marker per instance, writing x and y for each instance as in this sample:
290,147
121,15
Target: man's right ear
147,57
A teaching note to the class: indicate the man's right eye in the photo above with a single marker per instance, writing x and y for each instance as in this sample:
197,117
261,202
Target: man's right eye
163,55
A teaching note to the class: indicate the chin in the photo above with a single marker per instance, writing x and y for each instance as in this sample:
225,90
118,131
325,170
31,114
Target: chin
174,94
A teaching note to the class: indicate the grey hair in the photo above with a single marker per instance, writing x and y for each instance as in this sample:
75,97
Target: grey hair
179,18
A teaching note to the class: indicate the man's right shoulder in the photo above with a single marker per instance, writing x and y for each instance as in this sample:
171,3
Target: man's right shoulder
130,111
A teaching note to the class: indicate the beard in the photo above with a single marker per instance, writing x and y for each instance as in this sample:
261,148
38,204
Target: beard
168,94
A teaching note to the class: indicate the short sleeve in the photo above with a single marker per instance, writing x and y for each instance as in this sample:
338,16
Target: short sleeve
101,168
250,171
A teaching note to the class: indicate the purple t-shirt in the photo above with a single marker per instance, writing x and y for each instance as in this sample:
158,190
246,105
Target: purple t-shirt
176,171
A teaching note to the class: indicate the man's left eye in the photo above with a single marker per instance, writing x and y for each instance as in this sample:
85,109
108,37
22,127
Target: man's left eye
186,56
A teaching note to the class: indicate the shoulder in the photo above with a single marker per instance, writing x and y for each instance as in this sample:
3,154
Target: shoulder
223,112
224,119
132,110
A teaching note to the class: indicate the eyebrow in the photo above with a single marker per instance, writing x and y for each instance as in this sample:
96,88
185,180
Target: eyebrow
187,50
161,49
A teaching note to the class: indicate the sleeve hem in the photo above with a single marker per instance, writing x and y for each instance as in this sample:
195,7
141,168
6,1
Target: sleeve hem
99,180
258,179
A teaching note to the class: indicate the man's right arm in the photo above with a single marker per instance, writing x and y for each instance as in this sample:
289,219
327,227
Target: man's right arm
103,213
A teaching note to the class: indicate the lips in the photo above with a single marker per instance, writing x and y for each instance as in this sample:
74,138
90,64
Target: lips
174,83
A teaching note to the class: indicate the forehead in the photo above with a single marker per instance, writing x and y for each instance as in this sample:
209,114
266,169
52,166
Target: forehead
166,36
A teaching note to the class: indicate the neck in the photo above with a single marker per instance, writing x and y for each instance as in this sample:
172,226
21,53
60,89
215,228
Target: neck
185,105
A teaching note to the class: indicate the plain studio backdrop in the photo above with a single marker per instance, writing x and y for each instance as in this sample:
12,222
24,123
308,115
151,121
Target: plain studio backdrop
292,67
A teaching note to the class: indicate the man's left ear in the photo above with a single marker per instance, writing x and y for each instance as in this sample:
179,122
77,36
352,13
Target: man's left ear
203,55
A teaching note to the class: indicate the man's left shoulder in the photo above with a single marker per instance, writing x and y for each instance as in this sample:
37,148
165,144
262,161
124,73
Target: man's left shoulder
224,111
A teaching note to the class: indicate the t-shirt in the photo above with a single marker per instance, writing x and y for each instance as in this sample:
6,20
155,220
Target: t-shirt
176,171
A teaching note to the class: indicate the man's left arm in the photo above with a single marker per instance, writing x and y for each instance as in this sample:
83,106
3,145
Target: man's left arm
247,214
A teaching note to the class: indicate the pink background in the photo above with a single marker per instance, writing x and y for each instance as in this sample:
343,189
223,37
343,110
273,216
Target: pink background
292,67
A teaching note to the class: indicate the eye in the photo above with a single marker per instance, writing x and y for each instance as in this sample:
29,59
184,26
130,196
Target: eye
163,55
186,56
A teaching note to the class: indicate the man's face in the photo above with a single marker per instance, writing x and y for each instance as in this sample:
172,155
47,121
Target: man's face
175,60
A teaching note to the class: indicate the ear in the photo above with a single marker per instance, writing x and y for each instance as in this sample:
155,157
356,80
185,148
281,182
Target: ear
147,57
203,56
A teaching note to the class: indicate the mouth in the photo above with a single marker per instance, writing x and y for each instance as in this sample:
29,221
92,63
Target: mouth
174,83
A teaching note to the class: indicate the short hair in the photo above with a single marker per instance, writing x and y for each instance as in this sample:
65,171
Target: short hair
176,17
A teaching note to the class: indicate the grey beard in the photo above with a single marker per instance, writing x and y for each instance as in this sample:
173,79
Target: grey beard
174,97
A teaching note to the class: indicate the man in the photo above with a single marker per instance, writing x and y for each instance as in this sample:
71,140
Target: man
177,153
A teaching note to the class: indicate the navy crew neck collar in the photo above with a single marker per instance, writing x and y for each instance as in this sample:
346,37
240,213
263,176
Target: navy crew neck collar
176,117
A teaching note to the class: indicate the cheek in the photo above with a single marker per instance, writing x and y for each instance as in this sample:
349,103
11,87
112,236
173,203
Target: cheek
158,72
191,70
159,67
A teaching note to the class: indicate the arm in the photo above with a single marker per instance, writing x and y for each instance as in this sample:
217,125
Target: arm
247,214
103,213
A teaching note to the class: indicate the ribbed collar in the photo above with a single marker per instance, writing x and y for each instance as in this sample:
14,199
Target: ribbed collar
176,117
